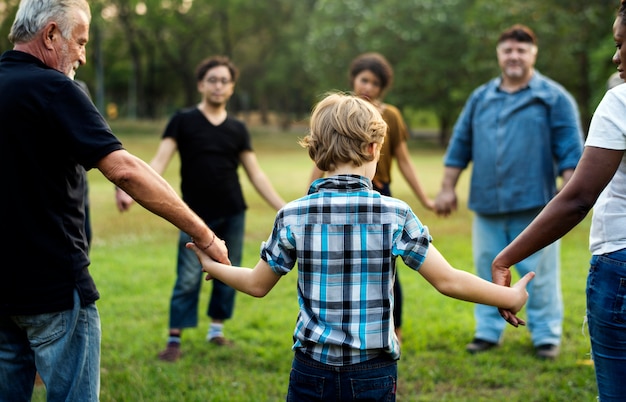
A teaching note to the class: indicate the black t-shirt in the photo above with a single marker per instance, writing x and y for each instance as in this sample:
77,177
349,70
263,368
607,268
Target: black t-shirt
209,158
50,133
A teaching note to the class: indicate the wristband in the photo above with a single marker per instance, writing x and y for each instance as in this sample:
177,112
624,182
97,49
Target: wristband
209,245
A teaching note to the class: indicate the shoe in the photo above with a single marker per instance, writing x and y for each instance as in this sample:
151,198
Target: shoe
480,345
171,353
547,351
220,341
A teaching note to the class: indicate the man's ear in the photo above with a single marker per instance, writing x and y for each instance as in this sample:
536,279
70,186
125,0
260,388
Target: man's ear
50,34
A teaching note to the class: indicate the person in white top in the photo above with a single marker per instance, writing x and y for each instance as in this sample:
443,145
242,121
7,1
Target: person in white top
599,182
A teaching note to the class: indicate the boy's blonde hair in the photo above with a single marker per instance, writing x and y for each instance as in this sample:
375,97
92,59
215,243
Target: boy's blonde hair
342,128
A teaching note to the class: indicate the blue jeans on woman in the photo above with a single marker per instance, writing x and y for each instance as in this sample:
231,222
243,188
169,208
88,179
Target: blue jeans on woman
189,276
606,316
312,381
64,347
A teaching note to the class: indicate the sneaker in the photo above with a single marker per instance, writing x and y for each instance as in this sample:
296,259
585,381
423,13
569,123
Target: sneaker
171,353
220,341
547,351
478,345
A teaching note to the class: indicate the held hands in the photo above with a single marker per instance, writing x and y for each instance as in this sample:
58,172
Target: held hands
215,248
206,257
429,204
503,278
445,203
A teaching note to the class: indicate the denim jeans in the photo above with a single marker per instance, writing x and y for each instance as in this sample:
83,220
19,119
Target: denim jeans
189,276
606,316
373,380
64,347
544,309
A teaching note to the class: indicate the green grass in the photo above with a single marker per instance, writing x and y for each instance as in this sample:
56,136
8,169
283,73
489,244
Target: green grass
133,263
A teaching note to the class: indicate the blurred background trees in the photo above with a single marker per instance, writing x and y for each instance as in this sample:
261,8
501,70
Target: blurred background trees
142,53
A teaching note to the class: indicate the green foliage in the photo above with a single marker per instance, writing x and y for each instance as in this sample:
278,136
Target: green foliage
442,50
133,262
143,52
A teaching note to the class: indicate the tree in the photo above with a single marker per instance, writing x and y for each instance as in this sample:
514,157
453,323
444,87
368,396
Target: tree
143,52
423,39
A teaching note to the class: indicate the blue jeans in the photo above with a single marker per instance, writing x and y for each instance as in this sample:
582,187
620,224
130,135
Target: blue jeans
373,380
189,276
606,315
544,309
64,347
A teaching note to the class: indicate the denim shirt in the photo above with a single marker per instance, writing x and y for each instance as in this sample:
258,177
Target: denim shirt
518,144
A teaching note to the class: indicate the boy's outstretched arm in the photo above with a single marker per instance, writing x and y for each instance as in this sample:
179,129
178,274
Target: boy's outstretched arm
257,281
463,285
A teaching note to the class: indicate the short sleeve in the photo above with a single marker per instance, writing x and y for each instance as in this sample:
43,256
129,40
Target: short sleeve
412,241
279,250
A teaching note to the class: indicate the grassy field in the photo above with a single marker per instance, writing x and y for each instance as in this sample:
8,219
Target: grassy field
133,262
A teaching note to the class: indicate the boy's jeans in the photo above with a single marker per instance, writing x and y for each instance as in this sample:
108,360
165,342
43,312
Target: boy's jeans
64,347
373,380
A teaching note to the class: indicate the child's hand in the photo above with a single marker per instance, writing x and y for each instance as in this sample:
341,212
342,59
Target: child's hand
520,287
429,204
204,259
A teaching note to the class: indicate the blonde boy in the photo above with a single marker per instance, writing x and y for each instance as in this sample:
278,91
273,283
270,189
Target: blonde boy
346,237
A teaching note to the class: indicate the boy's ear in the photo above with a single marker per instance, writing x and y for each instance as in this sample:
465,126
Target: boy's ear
373,148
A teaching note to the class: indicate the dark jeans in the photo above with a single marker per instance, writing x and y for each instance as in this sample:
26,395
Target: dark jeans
373,380
189,279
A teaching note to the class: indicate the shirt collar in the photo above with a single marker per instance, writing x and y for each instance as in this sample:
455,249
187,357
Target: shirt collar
16,55
342,182
532,83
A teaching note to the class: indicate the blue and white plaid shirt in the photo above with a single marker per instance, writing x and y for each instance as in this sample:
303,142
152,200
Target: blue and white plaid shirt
345,237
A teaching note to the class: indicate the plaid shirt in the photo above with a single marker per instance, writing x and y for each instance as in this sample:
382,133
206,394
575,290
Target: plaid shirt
345,237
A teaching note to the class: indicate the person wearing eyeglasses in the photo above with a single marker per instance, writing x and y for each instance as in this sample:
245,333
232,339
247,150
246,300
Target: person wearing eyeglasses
211,145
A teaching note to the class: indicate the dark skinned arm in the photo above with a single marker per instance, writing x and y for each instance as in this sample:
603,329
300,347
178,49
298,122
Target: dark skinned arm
570,206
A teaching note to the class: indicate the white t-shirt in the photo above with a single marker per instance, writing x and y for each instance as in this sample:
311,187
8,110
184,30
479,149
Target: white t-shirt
608,130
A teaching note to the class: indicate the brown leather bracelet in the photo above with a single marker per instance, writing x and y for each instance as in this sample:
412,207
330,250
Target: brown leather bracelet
205,247
210,244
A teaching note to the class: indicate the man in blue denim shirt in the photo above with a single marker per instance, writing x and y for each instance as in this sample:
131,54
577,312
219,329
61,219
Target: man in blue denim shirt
520,131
